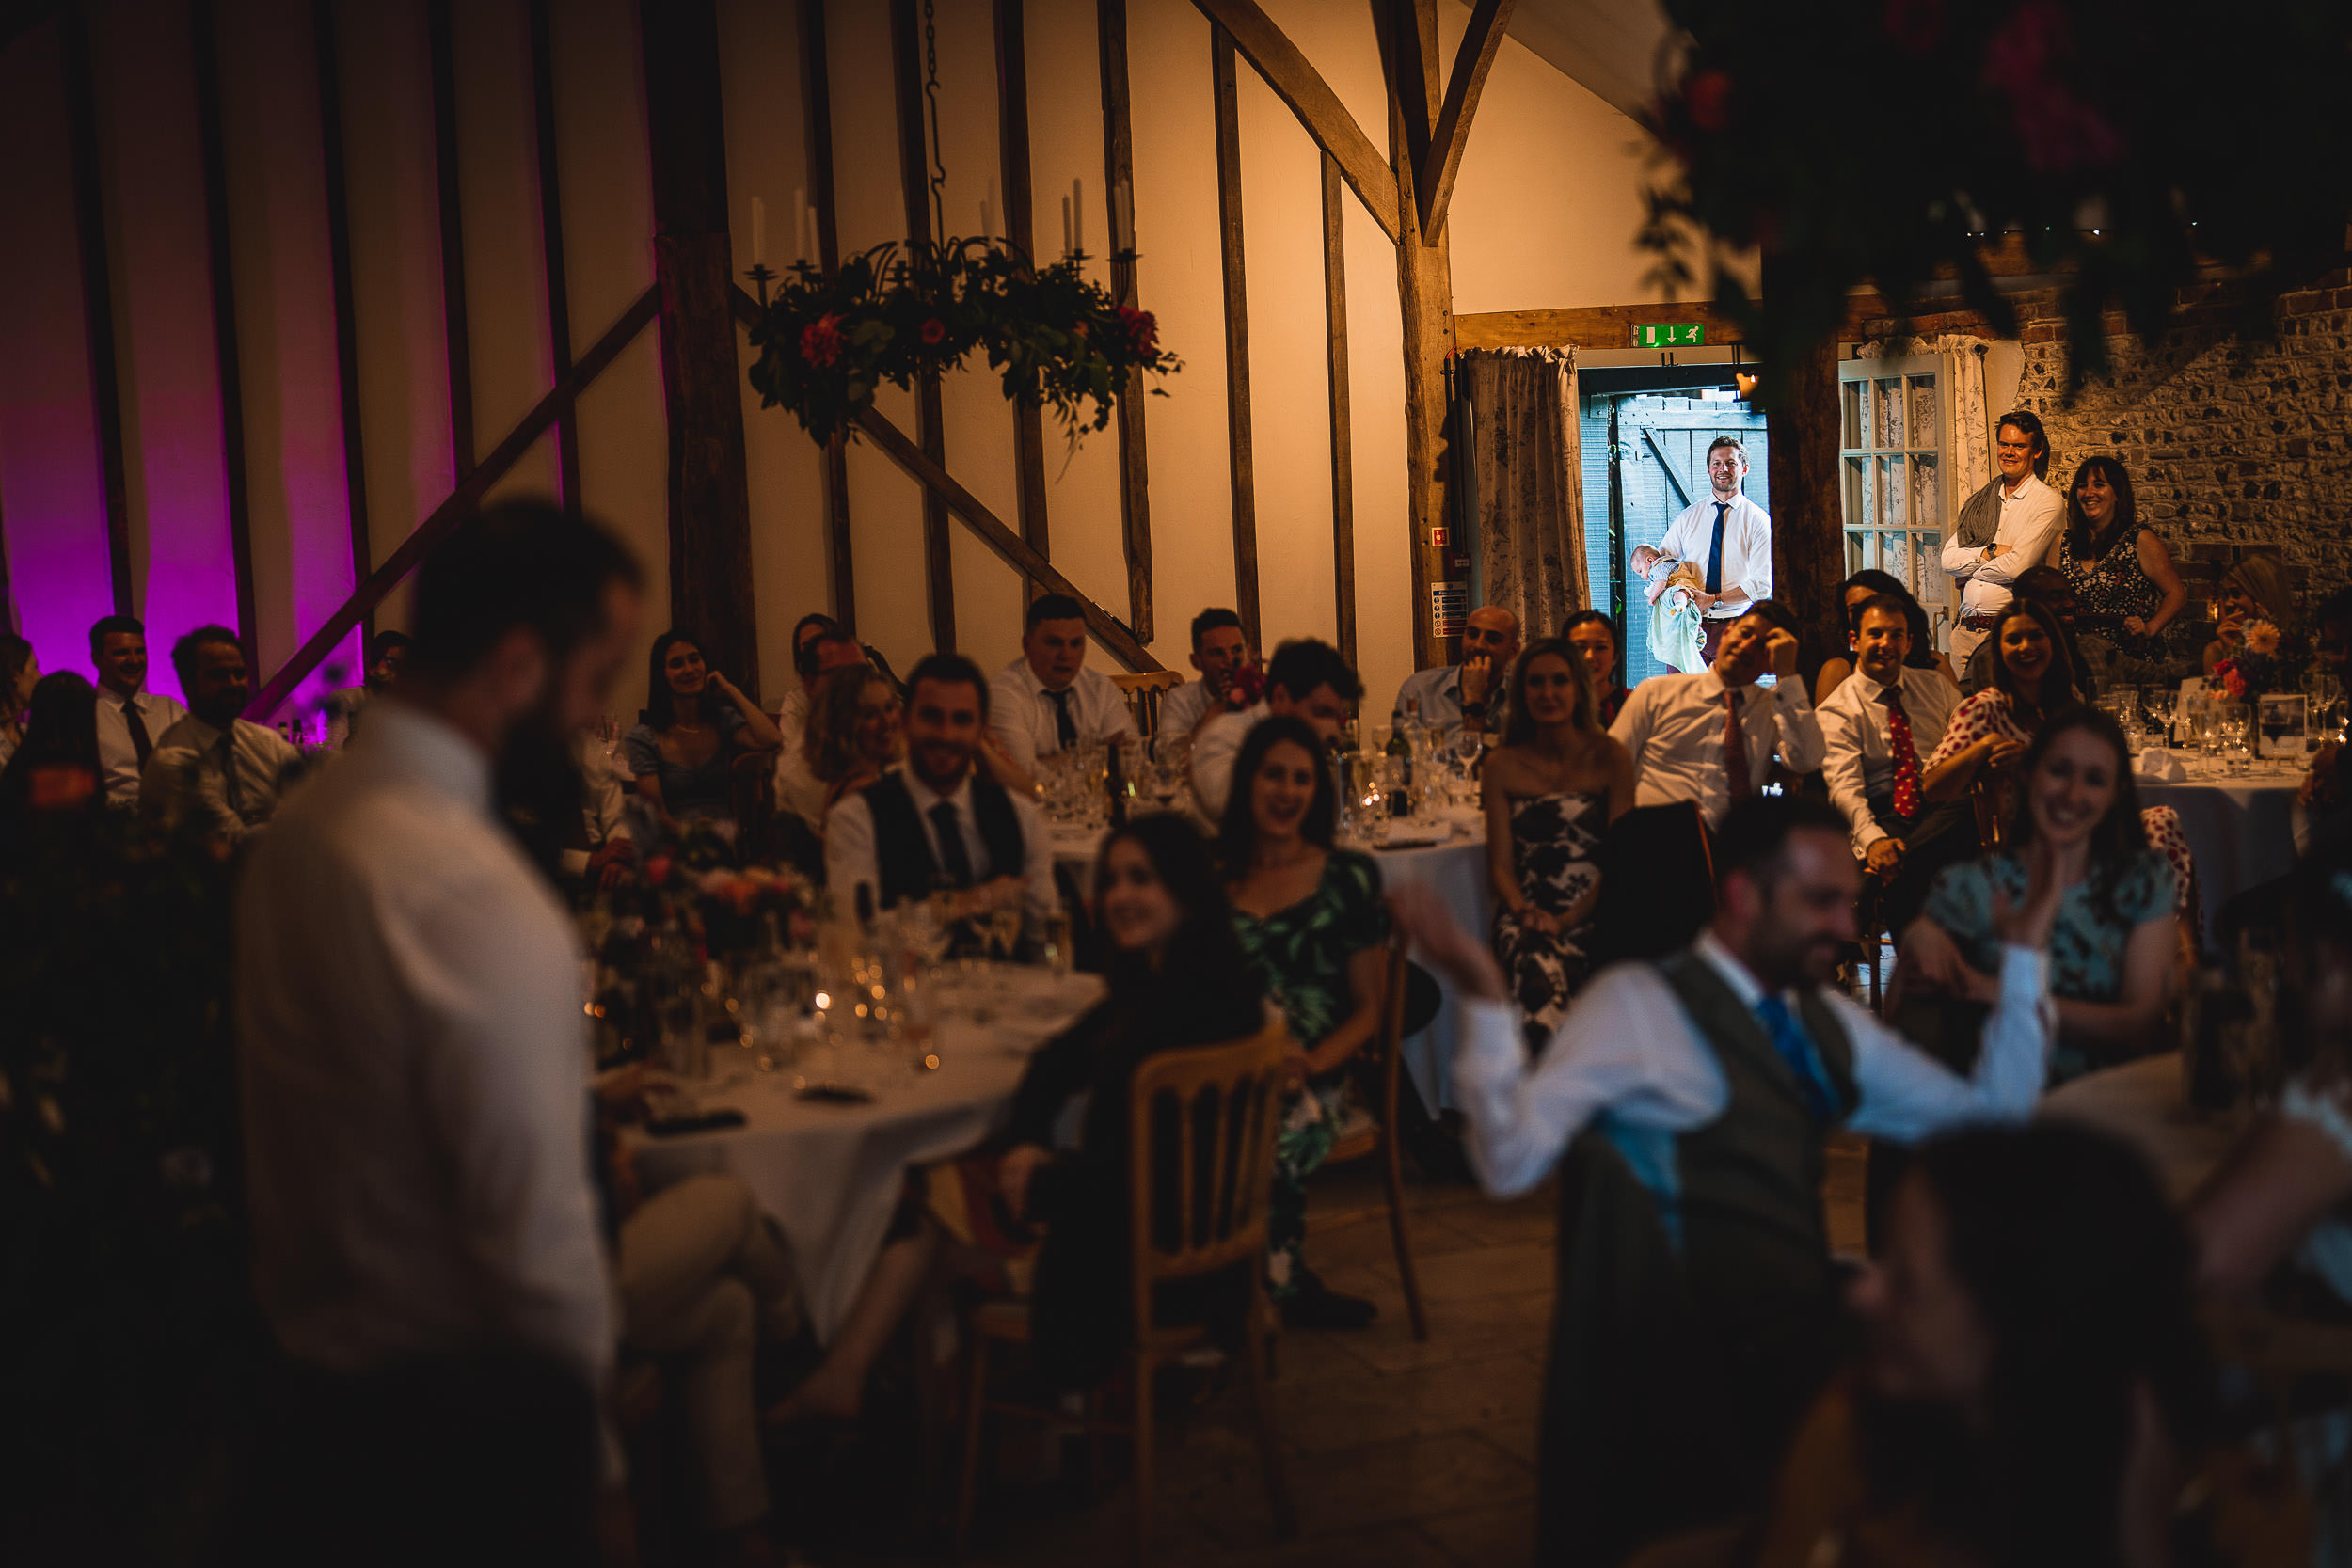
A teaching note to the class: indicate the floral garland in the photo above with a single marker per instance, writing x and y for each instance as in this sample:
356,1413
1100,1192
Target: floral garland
898,313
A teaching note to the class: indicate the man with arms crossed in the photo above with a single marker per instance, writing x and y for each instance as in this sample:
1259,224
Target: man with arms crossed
2005,529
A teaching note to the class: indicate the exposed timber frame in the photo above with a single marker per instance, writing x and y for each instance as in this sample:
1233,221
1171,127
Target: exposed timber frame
906,44
817,125
330,93
1135,490
205,46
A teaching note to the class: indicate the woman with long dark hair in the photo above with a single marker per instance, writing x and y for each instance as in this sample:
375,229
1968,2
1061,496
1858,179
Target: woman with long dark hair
853,732
2032,676
1550,791
2034,1387
1311,918
2111,950
1594,636
2126,589
57,765
1857,590
696,722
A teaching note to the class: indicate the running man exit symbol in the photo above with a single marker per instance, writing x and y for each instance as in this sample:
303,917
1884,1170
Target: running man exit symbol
1670,334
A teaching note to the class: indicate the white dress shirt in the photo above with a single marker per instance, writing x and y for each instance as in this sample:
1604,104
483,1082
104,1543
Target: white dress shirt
850,858
1627,1049
2032,518
117,758
1181,709
1859,760
1022,715
1438,694
1747,548
229,782
414,1065
1214,750
1674,726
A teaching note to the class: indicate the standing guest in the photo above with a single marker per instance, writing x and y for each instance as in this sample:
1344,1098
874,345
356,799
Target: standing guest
856,732
20,671
1710,737
1594,636
2010,524
1706,1317
696,722
130,719
1309,917
215,773
2256,589
1220,651
1729,539
57,766
1465,696
1307,680
798,790
1550,790
1865,585
2111,958
342,706
414,1066
1878,728
2123,578
1047,699
939,823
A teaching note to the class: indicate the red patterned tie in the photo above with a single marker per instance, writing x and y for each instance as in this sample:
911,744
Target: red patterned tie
1735,748
1906,755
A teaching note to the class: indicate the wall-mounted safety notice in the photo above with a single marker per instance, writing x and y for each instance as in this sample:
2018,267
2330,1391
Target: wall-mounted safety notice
1449,607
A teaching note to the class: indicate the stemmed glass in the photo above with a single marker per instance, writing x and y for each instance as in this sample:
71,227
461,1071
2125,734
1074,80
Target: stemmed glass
2230,720
2159,701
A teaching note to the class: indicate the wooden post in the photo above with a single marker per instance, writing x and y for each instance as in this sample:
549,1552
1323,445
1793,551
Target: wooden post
1135,493
1012,138
442,46
816,121
1425,289
1809,532
914,184
97,302
710,526
346,317
1342,434
205,40
551,248
1237,427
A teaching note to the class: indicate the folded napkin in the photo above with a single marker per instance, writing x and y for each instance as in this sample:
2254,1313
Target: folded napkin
2161,766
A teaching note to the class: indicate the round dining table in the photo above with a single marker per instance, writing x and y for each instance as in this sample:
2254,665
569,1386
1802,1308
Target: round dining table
2144,1104
2243,829
830,1169
1449,857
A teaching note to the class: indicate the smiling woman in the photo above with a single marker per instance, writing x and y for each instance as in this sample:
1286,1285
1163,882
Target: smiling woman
695,725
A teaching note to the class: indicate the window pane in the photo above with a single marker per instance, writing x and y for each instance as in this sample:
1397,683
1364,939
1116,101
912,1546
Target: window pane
1926,430
1898,504
1934,585
1852,422
1895,555
1927,492
1854,553
1888,414
1864,513
1857,489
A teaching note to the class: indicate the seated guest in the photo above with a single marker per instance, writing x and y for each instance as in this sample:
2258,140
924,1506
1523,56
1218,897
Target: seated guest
2332,649
792,713
342,706
1047,699
20,671
1465,696
1220,651
1679,729
2055,590
856,732
214,773
58,766
1876,727
798,790
1867,584
1312,925
606,851
1176,978
1711,1083
1594,636
695,724
130,719
2110,960
2032,677
1307,680
2256,589
940,824
1550,790
2033,1375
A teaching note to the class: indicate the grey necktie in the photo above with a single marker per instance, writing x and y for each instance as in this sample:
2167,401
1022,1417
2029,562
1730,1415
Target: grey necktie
232,789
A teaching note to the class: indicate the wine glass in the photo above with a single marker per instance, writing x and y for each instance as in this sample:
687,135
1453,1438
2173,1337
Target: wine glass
2231,721
2159,701
1004,931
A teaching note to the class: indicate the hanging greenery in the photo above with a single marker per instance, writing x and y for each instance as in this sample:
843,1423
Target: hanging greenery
898,312
1881,142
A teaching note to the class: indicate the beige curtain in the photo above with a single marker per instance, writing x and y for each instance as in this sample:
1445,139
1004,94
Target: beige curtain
1530,487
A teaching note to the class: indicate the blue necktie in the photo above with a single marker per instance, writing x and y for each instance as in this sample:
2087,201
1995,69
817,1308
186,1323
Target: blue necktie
1788,1038
1715,551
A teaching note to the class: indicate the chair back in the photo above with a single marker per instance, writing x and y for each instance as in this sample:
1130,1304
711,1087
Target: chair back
1385,1052
1222,1105
1143,690
1985,796
751,791
1657,883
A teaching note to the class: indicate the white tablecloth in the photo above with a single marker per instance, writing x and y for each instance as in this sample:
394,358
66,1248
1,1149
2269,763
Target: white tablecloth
2242,831
1457,870
832,1174
2142,1104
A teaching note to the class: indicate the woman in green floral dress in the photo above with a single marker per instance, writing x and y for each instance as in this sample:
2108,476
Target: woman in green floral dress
1311,918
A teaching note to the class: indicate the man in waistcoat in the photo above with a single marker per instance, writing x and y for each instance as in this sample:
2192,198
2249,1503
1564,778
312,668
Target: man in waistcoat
940,824
2004,530
1697,1312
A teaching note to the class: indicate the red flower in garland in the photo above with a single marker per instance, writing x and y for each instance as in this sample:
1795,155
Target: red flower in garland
934,332
1143,328
821,341
1707,95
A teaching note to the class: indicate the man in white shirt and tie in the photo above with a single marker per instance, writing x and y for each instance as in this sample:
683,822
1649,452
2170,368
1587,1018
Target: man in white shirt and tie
130,719
1307,679
1220,651
1729,539
1879,727
941,824
1710,1083
1047,699
414,1059
2004,530
215,773
1681,728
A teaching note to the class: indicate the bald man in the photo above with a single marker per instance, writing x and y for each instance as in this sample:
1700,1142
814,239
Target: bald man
1469,696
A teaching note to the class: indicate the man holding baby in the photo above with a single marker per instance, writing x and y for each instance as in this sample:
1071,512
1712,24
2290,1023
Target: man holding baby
1718,553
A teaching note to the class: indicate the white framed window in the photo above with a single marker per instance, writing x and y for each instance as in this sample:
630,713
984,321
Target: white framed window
1893,483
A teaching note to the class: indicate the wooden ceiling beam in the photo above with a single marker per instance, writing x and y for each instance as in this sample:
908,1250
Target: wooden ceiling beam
1479,45
1299,85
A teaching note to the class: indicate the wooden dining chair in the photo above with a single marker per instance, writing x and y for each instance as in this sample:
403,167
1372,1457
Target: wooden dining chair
1985,796
1367,1134
752,790
1227,1104
1143,692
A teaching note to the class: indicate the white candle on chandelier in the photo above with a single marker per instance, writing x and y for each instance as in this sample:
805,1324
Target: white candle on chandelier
1066,246
759,231
800,224
1077,216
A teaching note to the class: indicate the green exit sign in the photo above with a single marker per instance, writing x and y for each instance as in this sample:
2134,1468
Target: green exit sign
1670,334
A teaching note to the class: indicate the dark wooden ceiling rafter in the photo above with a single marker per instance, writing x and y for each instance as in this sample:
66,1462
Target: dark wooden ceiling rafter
1434,188
817,122
1012,141
448,206
914,180
330,99
1342,431
1134,486
1232,254
205,40
98,305
551,248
